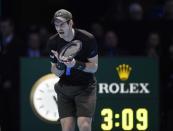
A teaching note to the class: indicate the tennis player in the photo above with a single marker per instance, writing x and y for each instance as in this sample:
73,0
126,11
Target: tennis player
76,89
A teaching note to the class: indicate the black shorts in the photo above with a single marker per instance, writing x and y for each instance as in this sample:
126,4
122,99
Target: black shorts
76,101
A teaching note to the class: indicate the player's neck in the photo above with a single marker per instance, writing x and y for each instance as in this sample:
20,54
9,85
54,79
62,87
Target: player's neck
70,35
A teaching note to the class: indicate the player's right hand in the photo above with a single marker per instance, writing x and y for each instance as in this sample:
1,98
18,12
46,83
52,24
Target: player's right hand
59,64
55,53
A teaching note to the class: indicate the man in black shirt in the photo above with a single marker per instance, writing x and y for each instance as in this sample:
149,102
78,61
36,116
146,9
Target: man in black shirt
76,89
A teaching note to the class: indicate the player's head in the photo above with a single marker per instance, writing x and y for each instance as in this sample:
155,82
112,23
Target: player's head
63,22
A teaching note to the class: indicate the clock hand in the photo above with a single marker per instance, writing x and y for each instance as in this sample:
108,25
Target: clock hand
54,98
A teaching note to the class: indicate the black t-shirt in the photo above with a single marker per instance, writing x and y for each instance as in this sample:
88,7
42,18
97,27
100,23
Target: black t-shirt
89,50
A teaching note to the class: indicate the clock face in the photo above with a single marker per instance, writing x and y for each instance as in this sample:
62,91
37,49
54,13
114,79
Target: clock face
43,98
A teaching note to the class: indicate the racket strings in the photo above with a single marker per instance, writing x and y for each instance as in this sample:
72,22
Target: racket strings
70,51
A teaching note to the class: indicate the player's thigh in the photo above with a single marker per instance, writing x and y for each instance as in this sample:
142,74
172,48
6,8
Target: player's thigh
66,106
86,103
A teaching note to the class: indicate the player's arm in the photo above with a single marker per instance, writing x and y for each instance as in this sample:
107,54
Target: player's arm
92,56
92,65
57,67
54,69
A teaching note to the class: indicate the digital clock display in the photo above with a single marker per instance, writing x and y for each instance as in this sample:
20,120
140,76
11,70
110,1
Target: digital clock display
128,116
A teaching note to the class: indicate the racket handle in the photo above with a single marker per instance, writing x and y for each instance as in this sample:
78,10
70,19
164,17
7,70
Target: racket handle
68,71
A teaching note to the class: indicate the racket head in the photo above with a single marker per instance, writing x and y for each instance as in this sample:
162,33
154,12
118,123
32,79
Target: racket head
69,51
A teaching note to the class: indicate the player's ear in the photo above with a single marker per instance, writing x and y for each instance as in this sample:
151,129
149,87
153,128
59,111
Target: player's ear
71,23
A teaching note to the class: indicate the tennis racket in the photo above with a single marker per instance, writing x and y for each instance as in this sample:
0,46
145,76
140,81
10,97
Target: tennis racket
69,51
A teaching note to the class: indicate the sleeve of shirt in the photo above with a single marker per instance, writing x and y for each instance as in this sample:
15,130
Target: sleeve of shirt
92,49
50,47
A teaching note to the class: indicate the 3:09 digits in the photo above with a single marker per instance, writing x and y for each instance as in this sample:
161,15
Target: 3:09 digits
127,119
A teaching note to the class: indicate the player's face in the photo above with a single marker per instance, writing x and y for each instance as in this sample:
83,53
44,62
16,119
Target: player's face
62,27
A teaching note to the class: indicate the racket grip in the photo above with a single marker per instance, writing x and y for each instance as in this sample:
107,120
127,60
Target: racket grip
68,71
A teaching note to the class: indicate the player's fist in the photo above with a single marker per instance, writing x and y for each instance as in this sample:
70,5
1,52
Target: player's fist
70,64
55,59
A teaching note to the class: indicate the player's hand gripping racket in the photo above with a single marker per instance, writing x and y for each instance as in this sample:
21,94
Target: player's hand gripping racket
68,52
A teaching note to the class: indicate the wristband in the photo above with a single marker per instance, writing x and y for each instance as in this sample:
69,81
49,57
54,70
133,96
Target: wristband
52,58
60,66
79,65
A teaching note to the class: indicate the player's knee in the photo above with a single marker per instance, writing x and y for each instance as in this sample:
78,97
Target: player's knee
84,124
68,127
68,124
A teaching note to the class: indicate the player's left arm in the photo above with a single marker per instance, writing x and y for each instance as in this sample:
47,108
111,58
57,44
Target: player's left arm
92,65
92,56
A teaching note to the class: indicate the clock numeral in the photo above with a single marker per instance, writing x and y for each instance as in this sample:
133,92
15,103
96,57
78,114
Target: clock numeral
41,106
41,91
142,117
127,119
107,113
39,98
47,112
